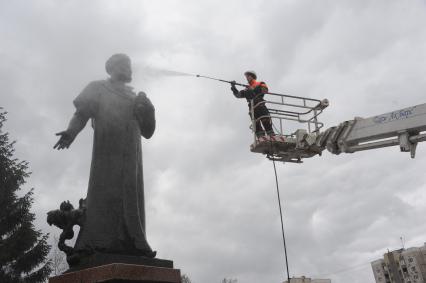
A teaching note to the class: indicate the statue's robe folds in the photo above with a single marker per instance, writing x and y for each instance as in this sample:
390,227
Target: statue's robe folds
115,214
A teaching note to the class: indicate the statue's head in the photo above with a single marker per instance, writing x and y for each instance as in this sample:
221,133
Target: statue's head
119,67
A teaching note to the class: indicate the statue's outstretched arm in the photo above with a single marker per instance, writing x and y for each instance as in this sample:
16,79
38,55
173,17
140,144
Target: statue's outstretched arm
77,123
86,104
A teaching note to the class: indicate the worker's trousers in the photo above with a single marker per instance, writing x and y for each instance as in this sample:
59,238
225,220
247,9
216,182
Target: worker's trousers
263,124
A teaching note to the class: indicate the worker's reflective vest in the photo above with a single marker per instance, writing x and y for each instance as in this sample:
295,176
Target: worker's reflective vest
254,84
256,91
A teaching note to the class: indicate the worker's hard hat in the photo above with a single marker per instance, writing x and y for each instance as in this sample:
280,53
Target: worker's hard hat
252,73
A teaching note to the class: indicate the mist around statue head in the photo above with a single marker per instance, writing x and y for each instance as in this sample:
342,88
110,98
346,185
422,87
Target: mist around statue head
119,67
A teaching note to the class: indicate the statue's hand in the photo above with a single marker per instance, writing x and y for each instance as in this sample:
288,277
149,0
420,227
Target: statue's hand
142,104
64,141
141,101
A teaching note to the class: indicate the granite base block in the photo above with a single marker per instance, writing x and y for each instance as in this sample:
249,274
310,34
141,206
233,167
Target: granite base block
99,259
119,272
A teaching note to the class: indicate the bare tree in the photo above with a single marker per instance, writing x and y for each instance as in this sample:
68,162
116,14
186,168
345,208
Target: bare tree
59,262
185,278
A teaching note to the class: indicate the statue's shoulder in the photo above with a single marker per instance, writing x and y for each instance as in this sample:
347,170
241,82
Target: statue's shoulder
97,83
90,93
94,86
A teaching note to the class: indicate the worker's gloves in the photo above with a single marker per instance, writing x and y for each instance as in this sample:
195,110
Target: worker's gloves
234,88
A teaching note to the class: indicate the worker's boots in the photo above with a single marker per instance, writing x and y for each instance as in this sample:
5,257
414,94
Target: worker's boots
260,134
270,133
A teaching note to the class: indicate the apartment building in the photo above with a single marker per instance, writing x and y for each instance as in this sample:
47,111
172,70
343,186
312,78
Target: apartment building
401,266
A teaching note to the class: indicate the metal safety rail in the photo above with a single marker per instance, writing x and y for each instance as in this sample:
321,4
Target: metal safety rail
283,109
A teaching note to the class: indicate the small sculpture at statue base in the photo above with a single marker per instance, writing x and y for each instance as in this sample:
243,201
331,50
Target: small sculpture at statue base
65,218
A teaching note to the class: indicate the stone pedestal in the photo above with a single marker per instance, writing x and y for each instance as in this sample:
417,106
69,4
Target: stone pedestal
99,259
120,273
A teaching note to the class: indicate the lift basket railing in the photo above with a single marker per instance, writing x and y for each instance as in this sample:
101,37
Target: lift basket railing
283,107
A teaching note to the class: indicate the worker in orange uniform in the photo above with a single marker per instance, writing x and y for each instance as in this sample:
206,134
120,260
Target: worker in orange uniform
255,92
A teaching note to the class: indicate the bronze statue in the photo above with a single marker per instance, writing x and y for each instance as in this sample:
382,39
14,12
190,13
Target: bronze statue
114,215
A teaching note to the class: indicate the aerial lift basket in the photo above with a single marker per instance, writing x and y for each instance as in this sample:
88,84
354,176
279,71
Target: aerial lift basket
284,109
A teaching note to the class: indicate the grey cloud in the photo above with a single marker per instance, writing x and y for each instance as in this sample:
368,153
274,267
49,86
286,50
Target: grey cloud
211,203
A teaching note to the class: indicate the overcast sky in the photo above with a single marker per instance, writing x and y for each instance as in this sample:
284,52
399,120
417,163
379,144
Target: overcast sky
211,203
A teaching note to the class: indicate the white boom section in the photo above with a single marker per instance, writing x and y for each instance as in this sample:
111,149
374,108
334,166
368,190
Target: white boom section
402,127
405,127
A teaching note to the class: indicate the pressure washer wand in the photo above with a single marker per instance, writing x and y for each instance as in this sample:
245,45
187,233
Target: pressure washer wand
220,80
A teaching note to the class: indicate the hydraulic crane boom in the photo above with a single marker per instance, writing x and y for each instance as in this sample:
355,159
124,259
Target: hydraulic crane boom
405,127
402,127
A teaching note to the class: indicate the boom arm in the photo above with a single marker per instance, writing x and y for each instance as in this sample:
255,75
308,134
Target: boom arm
403,127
